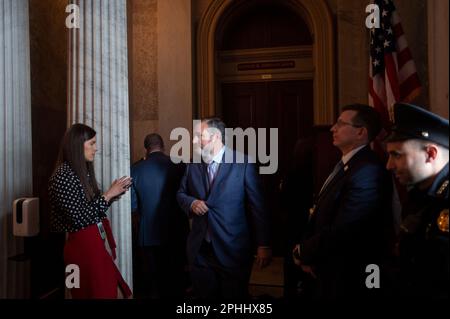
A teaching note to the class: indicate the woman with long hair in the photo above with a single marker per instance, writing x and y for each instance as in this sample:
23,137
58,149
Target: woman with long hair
79,209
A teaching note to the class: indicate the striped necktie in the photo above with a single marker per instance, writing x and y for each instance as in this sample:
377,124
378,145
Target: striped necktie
212,170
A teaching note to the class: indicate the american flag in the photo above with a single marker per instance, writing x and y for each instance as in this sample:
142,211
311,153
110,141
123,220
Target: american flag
392,76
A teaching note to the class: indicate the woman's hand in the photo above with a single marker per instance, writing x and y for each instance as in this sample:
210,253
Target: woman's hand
117,188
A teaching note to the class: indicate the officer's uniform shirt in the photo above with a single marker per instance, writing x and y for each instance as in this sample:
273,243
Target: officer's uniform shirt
424,240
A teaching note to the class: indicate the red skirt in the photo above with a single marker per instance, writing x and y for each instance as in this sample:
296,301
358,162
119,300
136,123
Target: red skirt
99,275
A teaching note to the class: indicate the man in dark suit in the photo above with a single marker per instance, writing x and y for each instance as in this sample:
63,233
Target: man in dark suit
163,227
224,200
345,229
418,156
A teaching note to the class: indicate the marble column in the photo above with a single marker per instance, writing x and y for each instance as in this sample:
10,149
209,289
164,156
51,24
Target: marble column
15,143
98,97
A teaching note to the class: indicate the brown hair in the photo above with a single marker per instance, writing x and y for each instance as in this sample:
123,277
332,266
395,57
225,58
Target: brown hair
366,116
72,152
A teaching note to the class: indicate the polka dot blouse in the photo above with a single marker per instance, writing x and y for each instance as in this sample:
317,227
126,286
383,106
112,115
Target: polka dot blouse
70,208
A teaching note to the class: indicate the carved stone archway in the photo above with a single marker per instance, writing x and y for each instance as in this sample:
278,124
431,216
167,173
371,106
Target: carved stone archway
318,17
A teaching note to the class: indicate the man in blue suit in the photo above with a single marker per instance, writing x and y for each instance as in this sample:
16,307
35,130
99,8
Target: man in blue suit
228,214
350,220
163,227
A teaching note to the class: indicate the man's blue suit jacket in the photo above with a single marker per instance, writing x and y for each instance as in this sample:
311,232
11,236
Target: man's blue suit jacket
153,196
350,224
237,215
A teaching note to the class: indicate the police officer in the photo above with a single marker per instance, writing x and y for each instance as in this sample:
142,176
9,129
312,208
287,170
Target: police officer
418,156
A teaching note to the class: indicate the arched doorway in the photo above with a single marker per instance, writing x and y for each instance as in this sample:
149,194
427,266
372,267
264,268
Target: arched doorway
267,63
264,79
317,16
234,40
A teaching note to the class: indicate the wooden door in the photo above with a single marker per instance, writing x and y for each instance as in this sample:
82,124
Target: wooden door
286,105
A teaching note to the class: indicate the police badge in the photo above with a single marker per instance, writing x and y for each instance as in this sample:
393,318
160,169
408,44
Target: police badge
442,221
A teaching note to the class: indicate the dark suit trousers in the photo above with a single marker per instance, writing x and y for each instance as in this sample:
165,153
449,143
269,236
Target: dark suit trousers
161,275
211,280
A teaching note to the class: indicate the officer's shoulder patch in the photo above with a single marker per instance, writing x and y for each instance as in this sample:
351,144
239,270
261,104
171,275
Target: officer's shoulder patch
442,220
443,188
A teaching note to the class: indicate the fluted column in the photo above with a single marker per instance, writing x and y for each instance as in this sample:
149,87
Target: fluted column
15,140
98,97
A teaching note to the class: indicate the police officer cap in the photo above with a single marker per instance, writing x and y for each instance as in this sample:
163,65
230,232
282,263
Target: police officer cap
414,122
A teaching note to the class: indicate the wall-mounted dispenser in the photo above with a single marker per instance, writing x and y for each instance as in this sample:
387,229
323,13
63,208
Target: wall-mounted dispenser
26,217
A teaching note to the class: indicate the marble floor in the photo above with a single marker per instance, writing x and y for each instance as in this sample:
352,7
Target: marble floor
267,282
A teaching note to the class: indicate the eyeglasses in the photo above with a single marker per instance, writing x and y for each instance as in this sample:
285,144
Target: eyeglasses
340,123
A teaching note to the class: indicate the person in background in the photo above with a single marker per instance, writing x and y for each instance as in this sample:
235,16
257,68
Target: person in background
162,226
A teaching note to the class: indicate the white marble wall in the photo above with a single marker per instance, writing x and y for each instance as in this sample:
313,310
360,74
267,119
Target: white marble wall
98,97
15,143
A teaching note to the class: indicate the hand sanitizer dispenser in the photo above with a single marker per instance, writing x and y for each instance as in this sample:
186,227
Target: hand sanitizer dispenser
26,217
